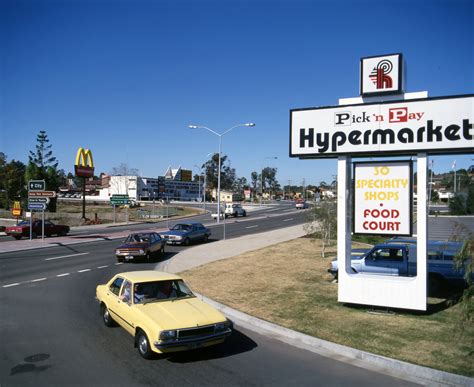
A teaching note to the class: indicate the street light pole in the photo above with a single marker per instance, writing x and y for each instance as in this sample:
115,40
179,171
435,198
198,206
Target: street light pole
220,135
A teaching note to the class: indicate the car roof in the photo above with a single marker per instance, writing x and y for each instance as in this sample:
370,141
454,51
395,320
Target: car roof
189,223
147,275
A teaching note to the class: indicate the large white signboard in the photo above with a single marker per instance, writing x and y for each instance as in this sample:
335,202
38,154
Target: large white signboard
436,126
382,198
381,75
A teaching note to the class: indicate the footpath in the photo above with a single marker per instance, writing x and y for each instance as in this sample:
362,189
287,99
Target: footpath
206,253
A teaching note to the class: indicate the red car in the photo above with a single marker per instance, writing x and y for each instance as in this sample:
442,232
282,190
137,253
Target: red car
23,229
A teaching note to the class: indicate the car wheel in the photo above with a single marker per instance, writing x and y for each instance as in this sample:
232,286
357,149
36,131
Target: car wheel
435,284
106,317
33,235
186,242
119,259
17,237
206,238
244,213
148,257
143,345
63,233
162,250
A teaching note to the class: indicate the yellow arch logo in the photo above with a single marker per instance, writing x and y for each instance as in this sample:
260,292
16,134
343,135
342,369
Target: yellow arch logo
84,158
84,166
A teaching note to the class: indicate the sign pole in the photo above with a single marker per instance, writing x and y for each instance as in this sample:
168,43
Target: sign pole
114,213
83,198
42,225
31,225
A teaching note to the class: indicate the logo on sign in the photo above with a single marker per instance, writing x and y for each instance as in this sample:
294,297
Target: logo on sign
379,75
84,165
16,211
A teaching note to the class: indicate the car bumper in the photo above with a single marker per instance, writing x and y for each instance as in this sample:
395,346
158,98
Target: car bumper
193,343
130,257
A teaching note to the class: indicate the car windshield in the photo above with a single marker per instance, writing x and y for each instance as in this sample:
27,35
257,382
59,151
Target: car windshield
138,238
24,223
181,227
145,292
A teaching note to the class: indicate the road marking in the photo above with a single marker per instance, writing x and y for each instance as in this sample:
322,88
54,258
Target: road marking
119,263
65,256
62,275
287,220
102,267
83,271
10,285
252,226
38,279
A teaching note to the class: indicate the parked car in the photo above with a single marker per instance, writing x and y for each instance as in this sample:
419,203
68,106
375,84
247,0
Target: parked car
23,229
161,312
301,204
397,257
185,233
140,245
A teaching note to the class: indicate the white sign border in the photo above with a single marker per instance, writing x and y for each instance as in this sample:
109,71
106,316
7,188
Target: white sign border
401,76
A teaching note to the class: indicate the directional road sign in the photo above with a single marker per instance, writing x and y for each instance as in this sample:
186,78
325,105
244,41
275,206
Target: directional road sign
119,200
38,200
43,194
37,206
36,185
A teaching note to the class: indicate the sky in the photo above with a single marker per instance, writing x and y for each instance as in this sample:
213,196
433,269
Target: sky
126,78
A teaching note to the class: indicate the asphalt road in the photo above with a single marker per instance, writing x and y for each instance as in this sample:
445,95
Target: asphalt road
52,334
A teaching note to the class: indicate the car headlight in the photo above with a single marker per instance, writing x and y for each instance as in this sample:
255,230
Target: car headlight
167,335
222,326
141,251
179,237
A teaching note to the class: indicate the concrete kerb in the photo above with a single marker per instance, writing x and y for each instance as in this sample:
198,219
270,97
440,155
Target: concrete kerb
210,252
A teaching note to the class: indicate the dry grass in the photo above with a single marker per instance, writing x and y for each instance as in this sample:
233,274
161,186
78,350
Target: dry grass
288,284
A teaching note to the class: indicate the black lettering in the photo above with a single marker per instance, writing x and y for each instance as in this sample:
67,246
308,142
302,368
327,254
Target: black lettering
383,134
465,129
433,131
405,136
451,132
341,117
335,142
322,139
307,137
419,134
365,117
367,136
354,137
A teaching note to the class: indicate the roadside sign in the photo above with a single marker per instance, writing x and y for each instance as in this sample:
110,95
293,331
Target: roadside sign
17,211
37,206
38,200
44,194
119,200
36,185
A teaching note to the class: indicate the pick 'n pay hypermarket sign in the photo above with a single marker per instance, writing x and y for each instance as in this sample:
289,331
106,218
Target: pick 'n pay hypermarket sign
382,198
435,125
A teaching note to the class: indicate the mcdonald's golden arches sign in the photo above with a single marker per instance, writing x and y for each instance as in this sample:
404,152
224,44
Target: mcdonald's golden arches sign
84,166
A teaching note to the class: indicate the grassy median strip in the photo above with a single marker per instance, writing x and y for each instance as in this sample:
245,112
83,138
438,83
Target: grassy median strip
288,284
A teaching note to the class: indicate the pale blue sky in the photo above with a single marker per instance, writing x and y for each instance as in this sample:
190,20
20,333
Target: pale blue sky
126,78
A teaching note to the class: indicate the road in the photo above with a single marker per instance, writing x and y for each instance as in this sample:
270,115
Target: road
52,334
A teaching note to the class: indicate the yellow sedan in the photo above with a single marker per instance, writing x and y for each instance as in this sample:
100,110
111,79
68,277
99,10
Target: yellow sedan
161,312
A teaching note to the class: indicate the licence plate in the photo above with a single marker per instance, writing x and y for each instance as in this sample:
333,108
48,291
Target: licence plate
128,258
195,345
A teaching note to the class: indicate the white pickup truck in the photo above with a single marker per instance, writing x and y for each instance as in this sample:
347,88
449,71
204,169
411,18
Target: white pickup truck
231,209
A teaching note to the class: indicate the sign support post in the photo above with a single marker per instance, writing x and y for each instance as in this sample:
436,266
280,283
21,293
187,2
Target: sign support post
31,225
422,220
42,225
344,208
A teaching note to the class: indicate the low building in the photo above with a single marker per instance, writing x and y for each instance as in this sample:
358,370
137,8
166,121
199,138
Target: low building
176,184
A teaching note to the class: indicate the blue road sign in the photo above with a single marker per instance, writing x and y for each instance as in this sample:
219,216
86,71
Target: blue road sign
37,206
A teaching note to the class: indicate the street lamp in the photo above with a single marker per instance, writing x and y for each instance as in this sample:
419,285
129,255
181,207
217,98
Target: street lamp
261,176
220,135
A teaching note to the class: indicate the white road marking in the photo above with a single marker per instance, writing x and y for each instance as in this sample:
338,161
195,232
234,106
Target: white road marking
38,279
83,271
119,263
287,220
65,256
252,226
62,275
10,285
102,267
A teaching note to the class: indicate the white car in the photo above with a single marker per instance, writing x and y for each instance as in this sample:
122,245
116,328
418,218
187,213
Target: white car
234,210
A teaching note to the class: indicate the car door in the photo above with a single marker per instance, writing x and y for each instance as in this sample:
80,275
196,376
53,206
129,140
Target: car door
379,261
124,307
